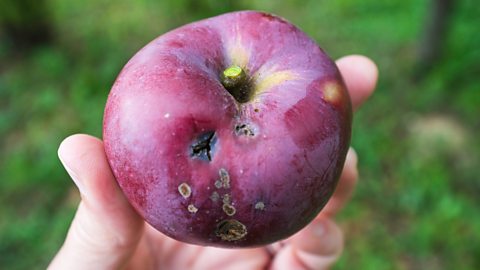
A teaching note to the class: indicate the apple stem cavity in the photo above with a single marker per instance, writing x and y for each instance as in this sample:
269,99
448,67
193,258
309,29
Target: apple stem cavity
236,81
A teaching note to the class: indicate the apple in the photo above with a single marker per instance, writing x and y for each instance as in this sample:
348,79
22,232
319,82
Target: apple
230,132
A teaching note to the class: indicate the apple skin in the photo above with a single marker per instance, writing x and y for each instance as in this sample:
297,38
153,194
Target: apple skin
274,160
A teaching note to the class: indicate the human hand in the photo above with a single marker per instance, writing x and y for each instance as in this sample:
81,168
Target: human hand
107,233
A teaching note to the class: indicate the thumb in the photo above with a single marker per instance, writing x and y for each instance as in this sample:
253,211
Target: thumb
105,230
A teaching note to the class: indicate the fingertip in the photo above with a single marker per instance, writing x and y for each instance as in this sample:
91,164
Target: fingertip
105,223
350,168
85,160
71,153
360,74
318,246
322,237
74,145
83,156
352,155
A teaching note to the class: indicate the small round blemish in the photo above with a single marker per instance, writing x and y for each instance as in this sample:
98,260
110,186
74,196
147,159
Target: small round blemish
215,196
218,184
227,199
260,206
192,209
184,190
256,110
229,209
332,92
167,115
224,178
231,230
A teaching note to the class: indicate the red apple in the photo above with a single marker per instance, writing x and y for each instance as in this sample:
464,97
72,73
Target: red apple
231,131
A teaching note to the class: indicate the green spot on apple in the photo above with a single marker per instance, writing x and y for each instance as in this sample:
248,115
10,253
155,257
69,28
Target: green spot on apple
233,72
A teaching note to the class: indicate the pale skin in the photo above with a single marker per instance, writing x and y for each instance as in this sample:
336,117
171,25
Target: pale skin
107,233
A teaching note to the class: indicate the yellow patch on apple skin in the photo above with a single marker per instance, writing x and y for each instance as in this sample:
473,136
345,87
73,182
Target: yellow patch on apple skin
273,79
237,53
332,92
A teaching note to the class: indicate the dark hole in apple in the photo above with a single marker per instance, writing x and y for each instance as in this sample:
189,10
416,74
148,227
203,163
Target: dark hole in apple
244,129
202,147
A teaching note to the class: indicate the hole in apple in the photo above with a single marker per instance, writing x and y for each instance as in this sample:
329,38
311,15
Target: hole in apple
202,148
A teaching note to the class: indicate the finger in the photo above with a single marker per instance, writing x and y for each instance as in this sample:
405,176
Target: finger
106,229
360,75
178,255
231,259
345,187
316,247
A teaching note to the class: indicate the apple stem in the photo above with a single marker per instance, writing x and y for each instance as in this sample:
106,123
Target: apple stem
235,80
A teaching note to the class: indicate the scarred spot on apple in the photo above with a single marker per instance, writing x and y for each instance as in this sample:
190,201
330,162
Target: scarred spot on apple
215,196
260,206
192,209
245,129
229,209
231,230
229,132
224,178
184,190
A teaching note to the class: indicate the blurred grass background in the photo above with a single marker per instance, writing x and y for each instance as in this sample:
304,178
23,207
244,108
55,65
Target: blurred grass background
417,202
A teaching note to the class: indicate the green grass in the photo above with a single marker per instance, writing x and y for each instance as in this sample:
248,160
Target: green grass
416,206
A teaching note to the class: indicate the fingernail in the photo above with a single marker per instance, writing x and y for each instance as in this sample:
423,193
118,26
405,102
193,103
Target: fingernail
352,156
74,176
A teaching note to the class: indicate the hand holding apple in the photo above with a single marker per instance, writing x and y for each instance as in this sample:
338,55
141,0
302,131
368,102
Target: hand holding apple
106,232
231,131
